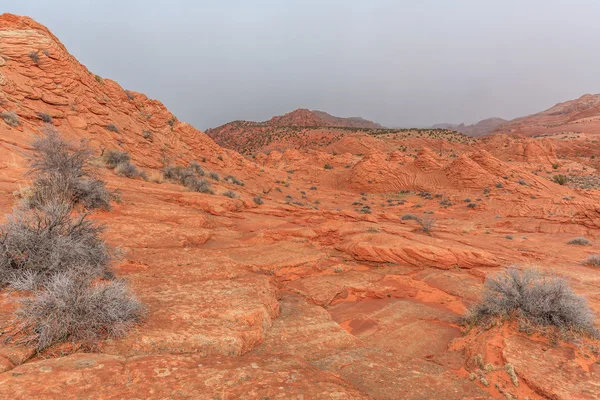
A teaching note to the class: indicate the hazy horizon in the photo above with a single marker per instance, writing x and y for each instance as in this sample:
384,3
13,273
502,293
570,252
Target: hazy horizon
393,62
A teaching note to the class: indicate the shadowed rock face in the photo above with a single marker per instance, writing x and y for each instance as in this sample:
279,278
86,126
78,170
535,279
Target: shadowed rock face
323,291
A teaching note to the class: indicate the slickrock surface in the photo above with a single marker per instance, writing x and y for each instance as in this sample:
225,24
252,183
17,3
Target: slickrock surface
324,291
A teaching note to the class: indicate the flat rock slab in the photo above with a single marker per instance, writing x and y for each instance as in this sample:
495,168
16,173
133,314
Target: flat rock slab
404,327
306,331
101,376
223,315
385,376
552,371
323,289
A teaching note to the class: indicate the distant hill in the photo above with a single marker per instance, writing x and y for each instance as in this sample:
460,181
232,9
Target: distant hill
314,118
482,128
578,115
248,137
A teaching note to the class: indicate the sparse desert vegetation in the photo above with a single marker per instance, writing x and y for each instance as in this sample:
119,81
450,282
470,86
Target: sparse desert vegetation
534,299
60,258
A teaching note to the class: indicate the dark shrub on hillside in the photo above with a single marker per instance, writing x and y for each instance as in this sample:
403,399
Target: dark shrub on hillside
112,128
197,168
63,174
408,217
127,170
592,260
580,240
258,200
198,185
10,118
113,157
36,244
560,179
45,117
535,299
232,179
177,174
214,175
68,308
231,194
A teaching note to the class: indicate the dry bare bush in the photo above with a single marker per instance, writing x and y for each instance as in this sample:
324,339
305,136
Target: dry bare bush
63,174
592,260
113,157
38,243
68,308
580,240
535,299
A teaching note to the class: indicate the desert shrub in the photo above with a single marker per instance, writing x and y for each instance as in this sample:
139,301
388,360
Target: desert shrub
560,179
499,185
127,170
555,166
113,157
99,79
521,182
535,299
472,205
313,188
233,180
580,240
130,95
592,260
177,173
408,217
47,118
35,57
38,243
328,166
10,118
426,224
486,190
196,167
214,176
509,237
258,200
148,135
63,174
198,185
71,309
231,194
112,128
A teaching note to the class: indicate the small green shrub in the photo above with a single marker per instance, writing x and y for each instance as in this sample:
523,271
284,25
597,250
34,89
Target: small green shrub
231,194
328,166
560,179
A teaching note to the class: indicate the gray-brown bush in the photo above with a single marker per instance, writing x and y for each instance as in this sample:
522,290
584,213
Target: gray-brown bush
127,170
72,309
533,298
580,240
63,174
113,157
36,244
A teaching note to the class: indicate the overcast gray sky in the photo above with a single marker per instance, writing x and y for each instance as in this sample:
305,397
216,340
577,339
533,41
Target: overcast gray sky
400,63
